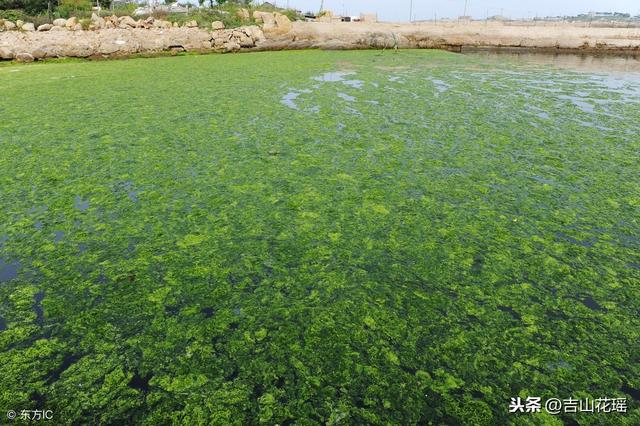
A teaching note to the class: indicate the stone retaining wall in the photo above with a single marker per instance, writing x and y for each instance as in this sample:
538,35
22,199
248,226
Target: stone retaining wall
113,37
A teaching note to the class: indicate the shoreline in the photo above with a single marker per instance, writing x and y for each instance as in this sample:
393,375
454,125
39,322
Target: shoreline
25,46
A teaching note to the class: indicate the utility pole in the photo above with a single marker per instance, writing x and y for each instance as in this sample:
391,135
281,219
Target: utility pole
410,10
466,5
321,6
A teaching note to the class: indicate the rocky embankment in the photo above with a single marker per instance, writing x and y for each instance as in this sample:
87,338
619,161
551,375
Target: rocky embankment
124,36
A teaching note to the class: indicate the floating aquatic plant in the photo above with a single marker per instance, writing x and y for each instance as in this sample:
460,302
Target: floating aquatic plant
317,237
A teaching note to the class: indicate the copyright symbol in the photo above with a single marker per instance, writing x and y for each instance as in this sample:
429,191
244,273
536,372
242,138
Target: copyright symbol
11,414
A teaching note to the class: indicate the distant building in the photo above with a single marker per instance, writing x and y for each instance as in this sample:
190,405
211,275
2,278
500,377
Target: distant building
368,17
162,8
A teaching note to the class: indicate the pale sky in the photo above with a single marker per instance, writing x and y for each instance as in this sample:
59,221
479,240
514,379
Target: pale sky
398,10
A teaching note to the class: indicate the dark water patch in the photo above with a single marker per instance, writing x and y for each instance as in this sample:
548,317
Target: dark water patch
590,303
127,187
476,394
9,270
67,361
586,243
478,264
39,400
634,265
510,311
409,370
629,241
59,236
80,204
171,310
633,392
232,376
82,248
207,312
38,225
3,324
3,239
37,307
140,382
133,196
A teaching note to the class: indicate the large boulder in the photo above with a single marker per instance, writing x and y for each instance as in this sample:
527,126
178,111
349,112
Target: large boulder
8,25
159,23
191,24
5,53
24,57
28,27
242,38
97,22
45,27
264,17
60,22
273,23
126,22
231,46
217,25
283,22
255,33
71,23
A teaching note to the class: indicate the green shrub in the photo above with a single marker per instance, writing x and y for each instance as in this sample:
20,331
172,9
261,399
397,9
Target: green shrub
12,15
69,8
121,10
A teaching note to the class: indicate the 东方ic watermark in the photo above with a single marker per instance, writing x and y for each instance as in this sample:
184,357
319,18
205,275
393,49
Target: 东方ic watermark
30,415
534,404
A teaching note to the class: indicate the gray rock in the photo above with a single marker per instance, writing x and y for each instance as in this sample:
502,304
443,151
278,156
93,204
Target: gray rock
71,23
5,53
24,57
126,22
28,27
217,25
45,27
60,22
231,46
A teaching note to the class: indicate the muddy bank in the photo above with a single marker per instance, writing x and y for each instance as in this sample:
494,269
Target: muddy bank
118,42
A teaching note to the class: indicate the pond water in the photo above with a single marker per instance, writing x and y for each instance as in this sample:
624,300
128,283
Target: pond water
376,237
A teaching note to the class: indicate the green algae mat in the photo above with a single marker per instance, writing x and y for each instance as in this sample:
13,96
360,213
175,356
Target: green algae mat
369,238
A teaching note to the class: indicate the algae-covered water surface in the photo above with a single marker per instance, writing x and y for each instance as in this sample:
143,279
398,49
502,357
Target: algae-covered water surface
318,238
